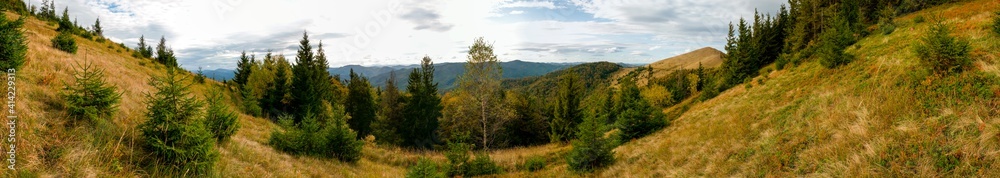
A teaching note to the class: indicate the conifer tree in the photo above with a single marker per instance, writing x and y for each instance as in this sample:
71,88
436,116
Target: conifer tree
165,55
591,150
65,42
567,110
64,23
174,133
143,49
360,105
218,118
311,83
243,67
13,43
276,97
386,127
636,117
91,97
97,27
423,108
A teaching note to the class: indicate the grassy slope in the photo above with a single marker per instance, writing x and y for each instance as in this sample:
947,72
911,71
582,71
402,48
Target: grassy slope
862,119
802,120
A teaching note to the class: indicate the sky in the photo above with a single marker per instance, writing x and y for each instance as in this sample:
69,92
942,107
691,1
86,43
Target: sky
210,34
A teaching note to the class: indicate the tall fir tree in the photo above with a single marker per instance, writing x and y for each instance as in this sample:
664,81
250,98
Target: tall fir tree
64,23
360,104
567,109
97,28
143,49
311,84
387,125
13,42
276,98
423,108
243,68
636,117
165,55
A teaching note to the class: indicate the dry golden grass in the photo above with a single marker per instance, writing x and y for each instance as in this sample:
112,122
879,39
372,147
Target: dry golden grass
864,119
708,57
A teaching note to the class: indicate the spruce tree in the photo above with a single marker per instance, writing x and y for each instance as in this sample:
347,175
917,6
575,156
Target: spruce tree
173,132
219,120
65,42
423,108
360,105
591,150
97,28
64,23
387,126
13,43
243,67
276,97
567,110
165,55
143,49
311,83
636,117
91,97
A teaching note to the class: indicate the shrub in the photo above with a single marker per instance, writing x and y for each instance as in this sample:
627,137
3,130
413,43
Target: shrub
482,165
173,134
942,52
425,168
886,27
313,137
591,150
835,39
65,42
636,117
534,163
13,44
459,164
90,97
218,119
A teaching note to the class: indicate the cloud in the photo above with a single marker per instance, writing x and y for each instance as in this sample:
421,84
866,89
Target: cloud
639,53
655,47
516,12
530,4
426,19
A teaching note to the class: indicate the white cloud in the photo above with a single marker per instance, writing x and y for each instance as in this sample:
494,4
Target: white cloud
530,4
655,47
516,12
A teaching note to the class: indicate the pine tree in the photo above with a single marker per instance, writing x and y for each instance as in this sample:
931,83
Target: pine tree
386,127
276,97
701,78
218,119
13,43
591,150
423,108
360,105
165,55
243,67
636,117
567,110
835,40
143,49
64,23
97,28
481,81
174,133
91,97
311,84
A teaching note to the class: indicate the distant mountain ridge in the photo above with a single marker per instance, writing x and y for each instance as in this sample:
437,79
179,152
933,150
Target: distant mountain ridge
445,74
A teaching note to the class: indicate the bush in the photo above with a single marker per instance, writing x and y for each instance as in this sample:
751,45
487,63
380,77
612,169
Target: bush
943,53
90,97
635,116
13,44
835,39
459,164
425,168
65,42
886,27
591,150
173,134
534,163
218,119
313,137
